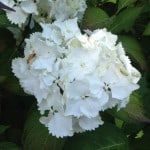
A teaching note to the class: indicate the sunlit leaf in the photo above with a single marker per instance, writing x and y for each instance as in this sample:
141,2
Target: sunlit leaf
125,3
143,142
95,18
139,134
106,137
112,1
131,129
36,136
125,19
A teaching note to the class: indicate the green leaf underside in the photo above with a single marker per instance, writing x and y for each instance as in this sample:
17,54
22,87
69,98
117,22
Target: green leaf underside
106,137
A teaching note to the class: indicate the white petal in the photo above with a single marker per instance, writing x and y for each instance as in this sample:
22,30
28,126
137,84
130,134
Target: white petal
90,123
31,86
103,100
77,89
48,79
29,7
73,107
111,76
52,33
68,28
60,125
18,17
123,91
19,67
43,63
90,107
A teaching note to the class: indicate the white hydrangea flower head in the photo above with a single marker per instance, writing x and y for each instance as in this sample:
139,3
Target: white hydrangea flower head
65,9
75,76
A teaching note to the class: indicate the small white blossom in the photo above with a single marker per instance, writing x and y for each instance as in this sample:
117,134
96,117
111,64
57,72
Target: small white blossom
21,10
58,124
90,124
66,9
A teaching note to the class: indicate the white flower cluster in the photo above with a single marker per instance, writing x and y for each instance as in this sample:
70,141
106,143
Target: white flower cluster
75,76
44,10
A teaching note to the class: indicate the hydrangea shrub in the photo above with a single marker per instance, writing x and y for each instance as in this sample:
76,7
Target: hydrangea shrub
80,60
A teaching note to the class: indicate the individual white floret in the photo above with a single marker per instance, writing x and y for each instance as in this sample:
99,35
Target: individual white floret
67,9
21,10
60,32
58,124
90,123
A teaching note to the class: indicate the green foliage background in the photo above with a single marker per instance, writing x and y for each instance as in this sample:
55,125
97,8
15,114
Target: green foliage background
127,129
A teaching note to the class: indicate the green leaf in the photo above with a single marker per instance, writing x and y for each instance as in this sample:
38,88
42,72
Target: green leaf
4,22
8,146
133,48
132,129
3,128
135,108
12,85
112,1
139,134
2,78
106,137
91,3
125,19
124,3
7,53
145,92
133,112
143,142
36,136
147,30
95,18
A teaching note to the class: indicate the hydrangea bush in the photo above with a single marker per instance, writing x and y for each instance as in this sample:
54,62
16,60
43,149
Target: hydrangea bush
78,69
